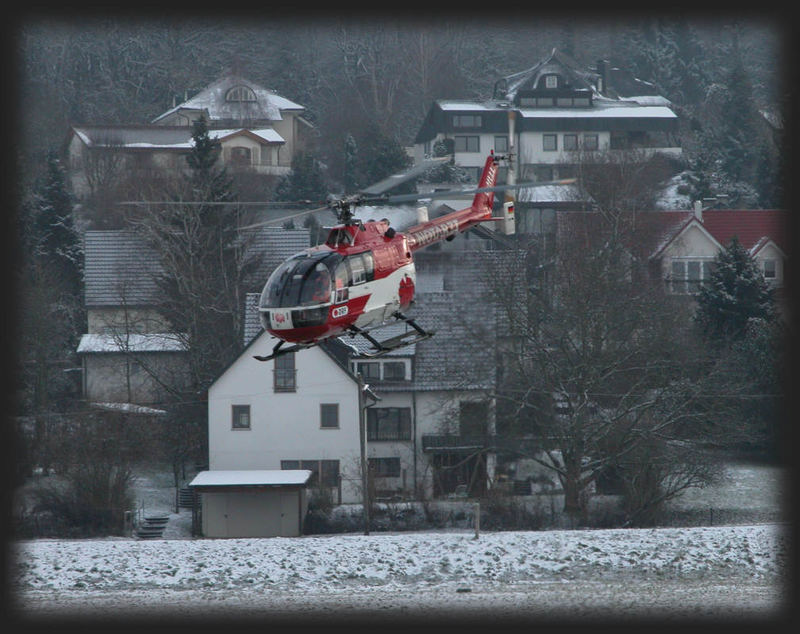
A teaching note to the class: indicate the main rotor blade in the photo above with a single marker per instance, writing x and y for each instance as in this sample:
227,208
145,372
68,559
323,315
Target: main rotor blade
467,192
195,203
283,218
395,179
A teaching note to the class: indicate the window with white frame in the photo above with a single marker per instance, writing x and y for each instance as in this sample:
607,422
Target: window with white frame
688,275
397,370
467,121
369,370
465,143
551,81
770,268
240,93
240,417
284,373
394,371
549,142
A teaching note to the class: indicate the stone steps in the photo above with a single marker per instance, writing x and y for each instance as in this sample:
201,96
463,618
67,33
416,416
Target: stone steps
152,527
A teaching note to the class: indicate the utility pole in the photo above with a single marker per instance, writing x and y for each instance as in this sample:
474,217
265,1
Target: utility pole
362,433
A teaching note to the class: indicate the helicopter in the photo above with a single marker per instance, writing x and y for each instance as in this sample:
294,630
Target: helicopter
362,278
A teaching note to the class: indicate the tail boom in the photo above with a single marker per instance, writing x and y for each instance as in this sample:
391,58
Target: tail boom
456,222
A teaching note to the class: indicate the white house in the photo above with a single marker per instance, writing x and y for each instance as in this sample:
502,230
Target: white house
688,249
430,433
549,113
300,411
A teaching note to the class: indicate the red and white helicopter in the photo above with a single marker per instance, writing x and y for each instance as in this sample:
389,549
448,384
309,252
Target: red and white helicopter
363,278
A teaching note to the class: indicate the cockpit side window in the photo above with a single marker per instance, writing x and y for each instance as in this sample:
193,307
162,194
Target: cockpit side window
358,274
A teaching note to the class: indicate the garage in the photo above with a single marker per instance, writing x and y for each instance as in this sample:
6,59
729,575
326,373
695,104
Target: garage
253,503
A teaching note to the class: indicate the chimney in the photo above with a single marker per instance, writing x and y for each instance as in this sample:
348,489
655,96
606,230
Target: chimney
602,70
698,210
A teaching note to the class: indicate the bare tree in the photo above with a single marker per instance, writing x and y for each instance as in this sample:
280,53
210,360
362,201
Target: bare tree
599,361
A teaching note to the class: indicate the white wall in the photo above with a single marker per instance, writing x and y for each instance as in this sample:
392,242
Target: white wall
284,425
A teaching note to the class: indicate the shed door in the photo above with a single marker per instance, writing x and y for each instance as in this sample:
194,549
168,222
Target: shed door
290,514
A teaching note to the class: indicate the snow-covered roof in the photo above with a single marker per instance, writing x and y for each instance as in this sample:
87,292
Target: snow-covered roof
251,477
156,137
612,111
213,101
549,193
129,408
267,134
133,342
648,100
466,105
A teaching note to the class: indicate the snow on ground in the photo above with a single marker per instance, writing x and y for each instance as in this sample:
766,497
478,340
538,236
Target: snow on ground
699,572
711,571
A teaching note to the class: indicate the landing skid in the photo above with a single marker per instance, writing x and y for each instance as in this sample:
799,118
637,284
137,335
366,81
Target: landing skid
279,350
393,343
380,347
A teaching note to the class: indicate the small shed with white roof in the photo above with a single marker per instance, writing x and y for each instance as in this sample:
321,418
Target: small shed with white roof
252,503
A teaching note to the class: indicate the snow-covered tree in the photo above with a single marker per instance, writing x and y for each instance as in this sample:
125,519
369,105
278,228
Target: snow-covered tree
52,237
735,294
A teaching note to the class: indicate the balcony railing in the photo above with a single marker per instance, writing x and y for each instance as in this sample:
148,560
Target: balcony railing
492,442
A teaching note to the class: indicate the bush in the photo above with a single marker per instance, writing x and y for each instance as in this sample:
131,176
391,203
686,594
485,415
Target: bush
91,502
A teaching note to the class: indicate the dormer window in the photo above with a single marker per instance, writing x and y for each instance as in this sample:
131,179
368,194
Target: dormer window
240,93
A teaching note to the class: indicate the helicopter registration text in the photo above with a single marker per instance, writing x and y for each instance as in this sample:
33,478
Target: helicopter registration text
435,233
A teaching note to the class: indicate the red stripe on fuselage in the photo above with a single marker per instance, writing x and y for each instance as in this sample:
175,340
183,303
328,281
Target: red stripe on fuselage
331,327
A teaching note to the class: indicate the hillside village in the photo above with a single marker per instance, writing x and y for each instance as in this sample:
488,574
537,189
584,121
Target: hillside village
446,418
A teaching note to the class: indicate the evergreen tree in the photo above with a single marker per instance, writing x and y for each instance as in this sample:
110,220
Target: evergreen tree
736,294
306,181
380,157
738,137
52,237
447,172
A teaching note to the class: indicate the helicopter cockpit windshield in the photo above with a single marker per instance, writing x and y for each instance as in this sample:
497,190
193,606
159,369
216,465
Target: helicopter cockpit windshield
304,280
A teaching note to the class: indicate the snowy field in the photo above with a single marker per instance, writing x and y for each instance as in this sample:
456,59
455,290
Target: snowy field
707,573
713,572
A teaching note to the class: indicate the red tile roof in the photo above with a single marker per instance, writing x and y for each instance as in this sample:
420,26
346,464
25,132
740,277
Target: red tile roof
749,226
657,229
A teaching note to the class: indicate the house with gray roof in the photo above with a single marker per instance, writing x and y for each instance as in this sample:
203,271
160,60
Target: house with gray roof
431,431
129,353
259,133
